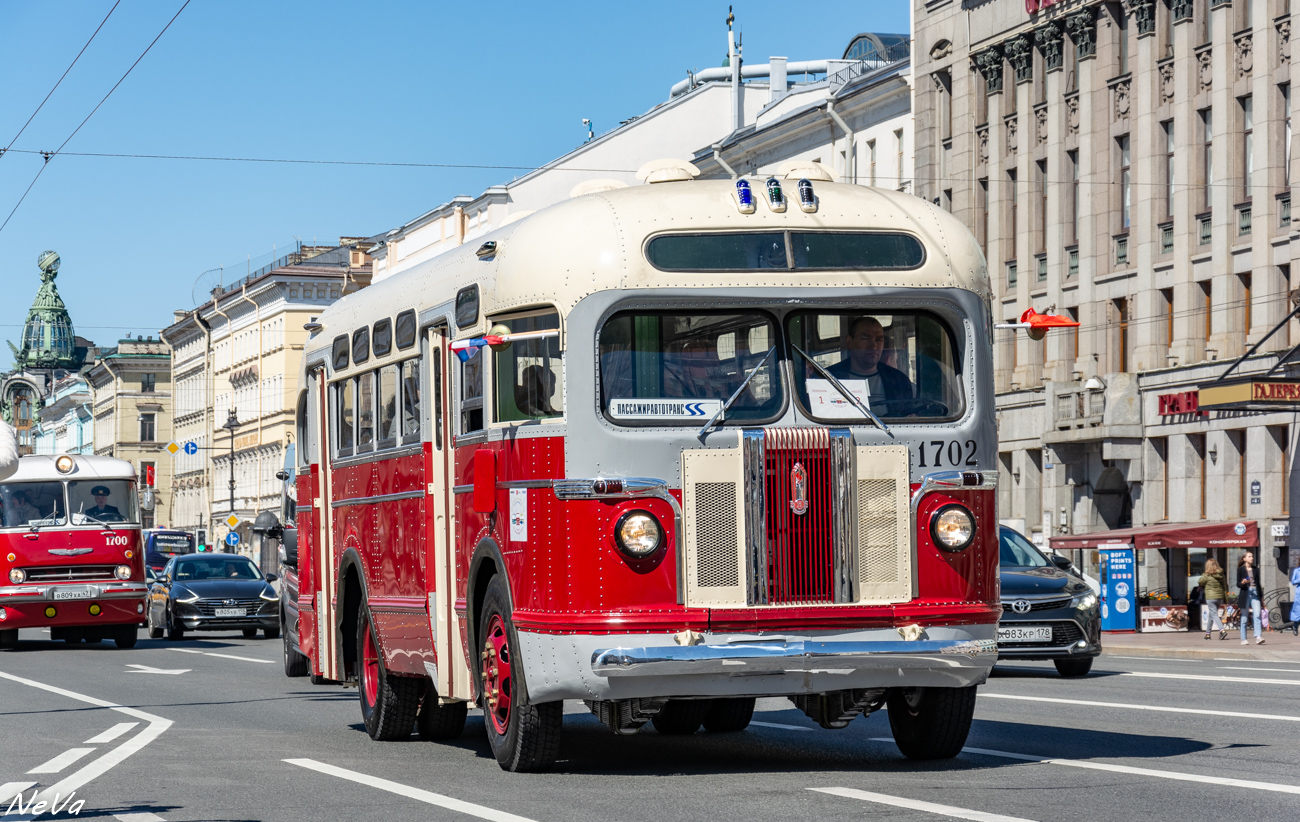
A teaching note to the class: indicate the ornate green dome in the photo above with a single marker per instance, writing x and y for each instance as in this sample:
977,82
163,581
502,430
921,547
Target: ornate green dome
48,340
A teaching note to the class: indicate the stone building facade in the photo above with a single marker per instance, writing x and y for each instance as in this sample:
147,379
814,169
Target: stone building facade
1128,163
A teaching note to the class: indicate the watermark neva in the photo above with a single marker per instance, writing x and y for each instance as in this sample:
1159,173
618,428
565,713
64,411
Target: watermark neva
32,807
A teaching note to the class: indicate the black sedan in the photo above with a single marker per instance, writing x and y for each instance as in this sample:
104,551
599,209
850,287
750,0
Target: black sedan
1048,612
213,592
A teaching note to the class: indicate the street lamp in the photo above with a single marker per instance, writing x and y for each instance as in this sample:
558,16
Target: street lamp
232,422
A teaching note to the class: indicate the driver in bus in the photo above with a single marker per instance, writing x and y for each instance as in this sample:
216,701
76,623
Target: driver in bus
102,510
864,344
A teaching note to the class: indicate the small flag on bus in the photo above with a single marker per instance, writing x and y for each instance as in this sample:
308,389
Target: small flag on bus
467,348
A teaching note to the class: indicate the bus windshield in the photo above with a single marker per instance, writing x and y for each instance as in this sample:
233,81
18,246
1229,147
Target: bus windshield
169,542
900,364
102,501
671,368
27,504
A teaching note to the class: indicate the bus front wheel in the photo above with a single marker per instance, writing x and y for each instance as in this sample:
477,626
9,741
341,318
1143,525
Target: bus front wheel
931,723
388,702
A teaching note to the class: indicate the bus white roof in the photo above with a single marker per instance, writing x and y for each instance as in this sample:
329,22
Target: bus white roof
41,467
594,242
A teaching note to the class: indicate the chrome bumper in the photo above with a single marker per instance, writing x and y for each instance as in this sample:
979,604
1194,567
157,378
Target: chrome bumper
799,656
14,594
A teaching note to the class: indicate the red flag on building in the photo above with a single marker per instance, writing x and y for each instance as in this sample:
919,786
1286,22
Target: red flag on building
149,475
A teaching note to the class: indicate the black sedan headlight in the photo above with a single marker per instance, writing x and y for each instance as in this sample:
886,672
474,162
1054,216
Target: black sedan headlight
184,595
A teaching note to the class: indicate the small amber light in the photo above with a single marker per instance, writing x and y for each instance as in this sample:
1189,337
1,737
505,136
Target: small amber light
51,612
12,557
130,554
94,609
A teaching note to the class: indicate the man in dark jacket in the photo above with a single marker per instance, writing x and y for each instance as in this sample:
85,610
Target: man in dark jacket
865,343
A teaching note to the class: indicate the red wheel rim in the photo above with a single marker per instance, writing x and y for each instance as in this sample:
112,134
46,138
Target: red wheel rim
497,683
370,668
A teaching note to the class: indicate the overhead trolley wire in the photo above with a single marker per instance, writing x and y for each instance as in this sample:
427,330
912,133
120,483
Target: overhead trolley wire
51,154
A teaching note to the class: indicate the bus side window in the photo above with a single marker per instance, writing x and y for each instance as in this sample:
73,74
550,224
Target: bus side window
528,376
343,417
471,394
437,398
365,412
388,406
411,401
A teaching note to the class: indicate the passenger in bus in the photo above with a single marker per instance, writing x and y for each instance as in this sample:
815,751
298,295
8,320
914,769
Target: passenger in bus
18,511
534,392
864,345
692,372
102,510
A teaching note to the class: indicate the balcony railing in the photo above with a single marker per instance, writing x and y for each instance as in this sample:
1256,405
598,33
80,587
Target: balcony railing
1206,225
1072,264
1243,220
1121,250
1284,209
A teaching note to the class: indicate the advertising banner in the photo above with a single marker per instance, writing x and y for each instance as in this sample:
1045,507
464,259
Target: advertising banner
1118,589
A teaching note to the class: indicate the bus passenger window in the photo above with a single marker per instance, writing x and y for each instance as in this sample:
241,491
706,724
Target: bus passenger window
388,406
343,417
529,372
411,401
365,411
437,398
382,337
471,395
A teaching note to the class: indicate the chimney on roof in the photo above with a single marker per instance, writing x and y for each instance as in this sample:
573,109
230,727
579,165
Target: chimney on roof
179,314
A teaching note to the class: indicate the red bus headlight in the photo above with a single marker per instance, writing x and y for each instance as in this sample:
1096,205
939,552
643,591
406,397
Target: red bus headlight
638,534
952,527
17,575
123,572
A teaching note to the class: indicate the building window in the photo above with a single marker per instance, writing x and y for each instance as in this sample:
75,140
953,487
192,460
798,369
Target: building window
1125,181
147,428
943,87
1040,183
1282,436
1168,128
1247,146
1072,159
1167,303
1286,135
1013,201
147,382
871,162
1245,301
1197,441
1166,15
1073,313
1161,447
1012,275
1207,158
1121,32
1207,306
898,139
1121,318
148,475
1238,440
984,214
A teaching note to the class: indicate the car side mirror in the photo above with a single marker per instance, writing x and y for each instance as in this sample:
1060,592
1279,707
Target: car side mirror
272,577
164,579
1061,562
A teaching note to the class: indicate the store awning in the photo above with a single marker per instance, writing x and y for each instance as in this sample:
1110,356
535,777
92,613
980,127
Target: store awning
1242,534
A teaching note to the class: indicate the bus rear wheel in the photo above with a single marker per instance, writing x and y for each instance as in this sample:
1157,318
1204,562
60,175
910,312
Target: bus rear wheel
931,723
125,636
524,737
388,703
729,715
681,717
295,664
9,638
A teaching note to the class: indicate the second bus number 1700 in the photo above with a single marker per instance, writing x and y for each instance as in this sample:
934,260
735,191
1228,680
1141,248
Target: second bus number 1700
947,452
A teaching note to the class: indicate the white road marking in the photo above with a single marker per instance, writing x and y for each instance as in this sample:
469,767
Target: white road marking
918,805
431,798
145,669
782,727
62,761
139,816
1103,766
1274,670
97,767
223,656
1205,678
11,789
1151,658
1159,708
112,733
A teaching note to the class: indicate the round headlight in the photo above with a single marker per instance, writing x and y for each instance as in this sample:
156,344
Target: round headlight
17,575
123,572
952,527
638,534
64,464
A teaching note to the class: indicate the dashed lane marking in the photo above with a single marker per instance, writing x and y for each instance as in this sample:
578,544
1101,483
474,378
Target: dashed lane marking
139,816
1158,708
63,760
11,789
112,733
1207,678
429,797
782,727
918,805
1151,658
223,656
1274,670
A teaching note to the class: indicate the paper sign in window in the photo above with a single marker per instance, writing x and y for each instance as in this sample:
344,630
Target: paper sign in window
827,403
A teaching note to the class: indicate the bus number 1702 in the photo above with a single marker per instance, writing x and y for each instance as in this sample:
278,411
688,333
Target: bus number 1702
947,452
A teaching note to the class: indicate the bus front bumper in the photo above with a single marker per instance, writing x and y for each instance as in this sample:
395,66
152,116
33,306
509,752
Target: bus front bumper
71,592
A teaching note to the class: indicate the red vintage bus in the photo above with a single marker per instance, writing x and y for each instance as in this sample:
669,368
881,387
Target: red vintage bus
70,545
664,449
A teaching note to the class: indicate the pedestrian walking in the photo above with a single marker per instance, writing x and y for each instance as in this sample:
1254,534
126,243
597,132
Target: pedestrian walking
1214,590
8,451
1249,599
1295,592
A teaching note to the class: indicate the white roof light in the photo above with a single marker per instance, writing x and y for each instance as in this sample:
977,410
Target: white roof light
669,170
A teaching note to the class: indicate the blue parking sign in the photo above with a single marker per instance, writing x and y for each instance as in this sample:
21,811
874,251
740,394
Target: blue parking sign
232,539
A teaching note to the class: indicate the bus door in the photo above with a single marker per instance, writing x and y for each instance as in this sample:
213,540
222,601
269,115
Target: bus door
326,655
452,679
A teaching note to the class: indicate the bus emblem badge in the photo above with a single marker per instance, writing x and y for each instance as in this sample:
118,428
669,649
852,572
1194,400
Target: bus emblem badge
798,489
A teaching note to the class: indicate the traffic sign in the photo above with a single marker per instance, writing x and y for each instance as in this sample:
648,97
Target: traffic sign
191,448
232,539
231,521
172,448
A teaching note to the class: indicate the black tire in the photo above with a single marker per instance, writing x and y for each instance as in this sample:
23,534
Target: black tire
525,738
250,633
155,631
318,679
681,717
438,722
125,636
9,638
174,633
72,636
729,715
295,664
1073,667
931,723
271,633
388,703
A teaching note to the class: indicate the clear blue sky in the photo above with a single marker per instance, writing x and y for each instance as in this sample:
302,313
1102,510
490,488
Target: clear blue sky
471,83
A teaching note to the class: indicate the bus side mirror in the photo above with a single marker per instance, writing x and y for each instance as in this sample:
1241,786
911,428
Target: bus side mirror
485,481
289,545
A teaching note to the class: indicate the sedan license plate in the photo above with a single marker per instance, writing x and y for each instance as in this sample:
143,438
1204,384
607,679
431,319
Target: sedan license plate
1027,633
75,593
229,612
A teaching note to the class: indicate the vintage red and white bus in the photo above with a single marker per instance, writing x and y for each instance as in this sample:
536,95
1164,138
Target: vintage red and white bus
70,553
664,449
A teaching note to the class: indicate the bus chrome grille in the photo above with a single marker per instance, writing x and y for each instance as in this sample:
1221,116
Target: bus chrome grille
70,573
797,516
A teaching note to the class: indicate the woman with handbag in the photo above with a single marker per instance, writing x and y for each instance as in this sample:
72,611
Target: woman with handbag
1214,590
1249,599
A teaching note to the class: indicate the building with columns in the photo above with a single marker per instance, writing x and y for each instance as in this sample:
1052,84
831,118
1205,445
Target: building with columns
1128,163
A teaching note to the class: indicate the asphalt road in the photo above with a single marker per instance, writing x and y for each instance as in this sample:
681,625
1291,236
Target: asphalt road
214,743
